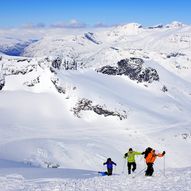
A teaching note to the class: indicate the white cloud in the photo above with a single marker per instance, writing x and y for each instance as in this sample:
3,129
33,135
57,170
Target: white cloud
70,24
103,25
32,25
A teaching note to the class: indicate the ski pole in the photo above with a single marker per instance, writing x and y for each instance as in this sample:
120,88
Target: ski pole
164,165
123,166
114,170
140,172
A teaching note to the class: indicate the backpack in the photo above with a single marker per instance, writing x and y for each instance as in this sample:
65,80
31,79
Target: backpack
147,151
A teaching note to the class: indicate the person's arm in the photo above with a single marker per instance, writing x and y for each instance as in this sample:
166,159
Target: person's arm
161,154
104,163
114,163
125,155
137,153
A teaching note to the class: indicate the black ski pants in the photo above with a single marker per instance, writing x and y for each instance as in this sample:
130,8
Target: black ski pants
150,169
109,171
131,164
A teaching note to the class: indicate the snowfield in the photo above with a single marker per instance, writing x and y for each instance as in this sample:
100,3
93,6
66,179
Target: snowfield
70,99
72,180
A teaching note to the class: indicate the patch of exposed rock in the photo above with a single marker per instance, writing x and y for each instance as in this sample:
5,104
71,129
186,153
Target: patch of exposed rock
87,105
33,82
57,85
133,68
2,81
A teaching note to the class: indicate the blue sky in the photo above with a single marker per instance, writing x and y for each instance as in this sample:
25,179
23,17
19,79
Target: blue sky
14,13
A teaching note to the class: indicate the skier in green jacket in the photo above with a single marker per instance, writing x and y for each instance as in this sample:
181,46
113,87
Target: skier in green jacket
130,156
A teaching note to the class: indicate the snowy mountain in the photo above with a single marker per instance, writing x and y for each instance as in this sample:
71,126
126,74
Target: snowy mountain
73,99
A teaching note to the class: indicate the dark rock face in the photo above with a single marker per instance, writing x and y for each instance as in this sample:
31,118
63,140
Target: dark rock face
174,54
59,88
23,60
148,75
156,27
186,135
133,68
2,82
114,48
108,70
70,65
23,71
57,63
164,89
33,82
87,105
130,67
137,61
90,37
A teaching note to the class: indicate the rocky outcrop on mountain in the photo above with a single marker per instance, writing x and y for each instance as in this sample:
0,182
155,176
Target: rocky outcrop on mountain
56,63
57,85
66,64
164,89
16,66
24,59
2,81
15,71
87,105
133,68
186,136
156,27
90,36
70,65
110,70
33,82
174,54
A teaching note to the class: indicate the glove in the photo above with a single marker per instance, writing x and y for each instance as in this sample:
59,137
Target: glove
143,153
163,153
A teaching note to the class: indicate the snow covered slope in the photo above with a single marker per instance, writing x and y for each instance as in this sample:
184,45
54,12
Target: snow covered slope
70,179
73,100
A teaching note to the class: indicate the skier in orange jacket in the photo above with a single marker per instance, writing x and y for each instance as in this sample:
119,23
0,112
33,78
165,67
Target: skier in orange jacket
150,157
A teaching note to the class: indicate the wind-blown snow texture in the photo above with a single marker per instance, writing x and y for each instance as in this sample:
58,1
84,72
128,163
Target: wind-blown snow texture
88,180
74,98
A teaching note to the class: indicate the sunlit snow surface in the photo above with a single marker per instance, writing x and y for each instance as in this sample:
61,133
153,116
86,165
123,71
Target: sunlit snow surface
38,126
72,180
